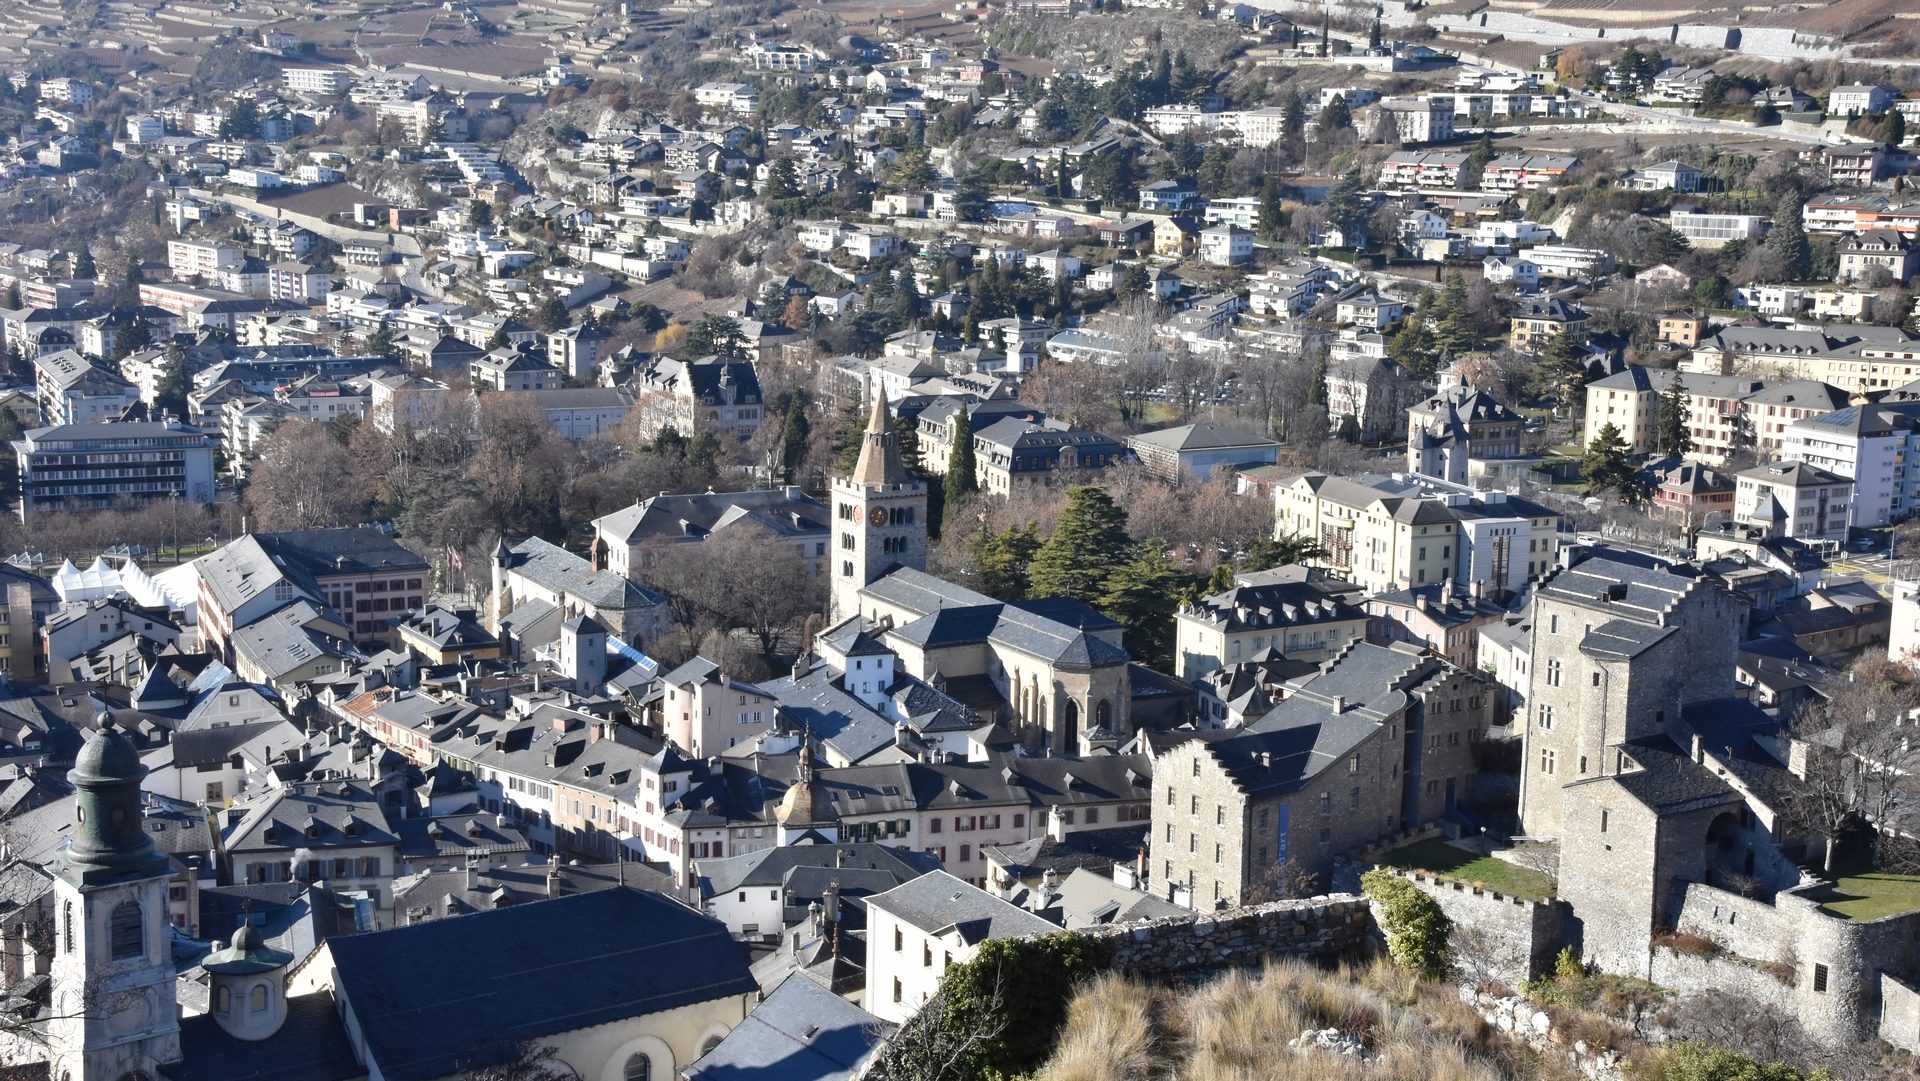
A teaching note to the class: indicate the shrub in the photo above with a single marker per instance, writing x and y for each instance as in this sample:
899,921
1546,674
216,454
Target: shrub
1416,927
1683,1061
998,1014
1688,943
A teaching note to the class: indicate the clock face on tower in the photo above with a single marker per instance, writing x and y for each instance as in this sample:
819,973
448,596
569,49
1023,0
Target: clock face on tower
878,516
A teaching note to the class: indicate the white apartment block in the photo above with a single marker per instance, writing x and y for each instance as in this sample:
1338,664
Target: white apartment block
1422,120
766,56
191,259
1564,261
1877,446
321,82
1716,230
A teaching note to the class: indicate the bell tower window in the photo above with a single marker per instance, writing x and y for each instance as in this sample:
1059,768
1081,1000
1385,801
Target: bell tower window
126,932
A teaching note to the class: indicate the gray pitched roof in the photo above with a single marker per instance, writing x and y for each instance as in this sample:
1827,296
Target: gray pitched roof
555,568
800,1032
939,903
526,972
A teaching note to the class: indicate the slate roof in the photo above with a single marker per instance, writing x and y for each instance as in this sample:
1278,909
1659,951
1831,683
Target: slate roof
1008,625
800,1032
447,893
1626,584
342,814
312,1045
938,903
553,567
771,866
785,511
213,746
1669,781
526,972
1296,603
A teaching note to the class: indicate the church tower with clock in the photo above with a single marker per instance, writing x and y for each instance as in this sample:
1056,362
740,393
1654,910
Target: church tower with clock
879,516
113,1012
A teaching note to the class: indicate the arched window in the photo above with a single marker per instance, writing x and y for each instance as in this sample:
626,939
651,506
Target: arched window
222,1000
126,932
258,997
639,1068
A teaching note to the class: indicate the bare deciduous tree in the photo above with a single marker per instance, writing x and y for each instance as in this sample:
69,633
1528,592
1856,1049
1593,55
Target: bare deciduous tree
1861,761
304,480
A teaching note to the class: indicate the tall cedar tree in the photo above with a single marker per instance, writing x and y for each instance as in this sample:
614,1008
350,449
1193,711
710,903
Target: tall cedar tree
1089,541
1789,239
1560,371
961,479
1004,560
1141,595
1606,468
176,382
794,431
1671,434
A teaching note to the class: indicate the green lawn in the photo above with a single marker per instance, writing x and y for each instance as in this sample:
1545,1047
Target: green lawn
1441,858
1869,895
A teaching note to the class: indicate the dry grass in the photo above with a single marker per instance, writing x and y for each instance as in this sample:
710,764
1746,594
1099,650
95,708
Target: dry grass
1105,1039
1238,1028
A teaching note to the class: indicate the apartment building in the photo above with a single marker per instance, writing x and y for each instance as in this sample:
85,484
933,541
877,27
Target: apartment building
1421,119
1705,230
1796,500
1422,169
1527,172
319,82
1391,532
1293,611
101,465
1877,446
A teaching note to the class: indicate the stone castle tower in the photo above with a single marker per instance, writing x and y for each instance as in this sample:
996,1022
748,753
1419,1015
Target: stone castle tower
879,516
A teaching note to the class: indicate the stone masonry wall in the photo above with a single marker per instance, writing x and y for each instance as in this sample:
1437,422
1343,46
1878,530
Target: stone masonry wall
1841,1004
1511,939
1316,928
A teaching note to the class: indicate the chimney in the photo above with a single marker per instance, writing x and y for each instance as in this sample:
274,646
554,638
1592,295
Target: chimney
473,876
553,881
1477,588
1057,823
1339,703
1266,759
831,897
1699,753
840,858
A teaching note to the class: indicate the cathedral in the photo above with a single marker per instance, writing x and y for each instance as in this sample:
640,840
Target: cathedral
1054,672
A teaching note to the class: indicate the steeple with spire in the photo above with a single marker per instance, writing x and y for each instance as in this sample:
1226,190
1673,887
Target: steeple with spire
880,463
879,514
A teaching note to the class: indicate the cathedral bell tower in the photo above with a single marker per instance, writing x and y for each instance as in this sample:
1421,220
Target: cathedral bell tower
113,1009
879,516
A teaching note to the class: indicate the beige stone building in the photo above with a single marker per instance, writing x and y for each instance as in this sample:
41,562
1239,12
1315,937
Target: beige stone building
1380,739
1294,611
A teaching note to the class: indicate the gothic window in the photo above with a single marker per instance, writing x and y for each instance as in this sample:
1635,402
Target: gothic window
126,933
639,1068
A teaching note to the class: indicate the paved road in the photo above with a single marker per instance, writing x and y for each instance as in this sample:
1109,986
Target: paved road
1871,569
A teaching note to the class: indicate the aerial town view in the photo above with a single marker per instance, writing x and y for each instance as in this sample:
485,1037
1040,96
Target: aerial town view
959,540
